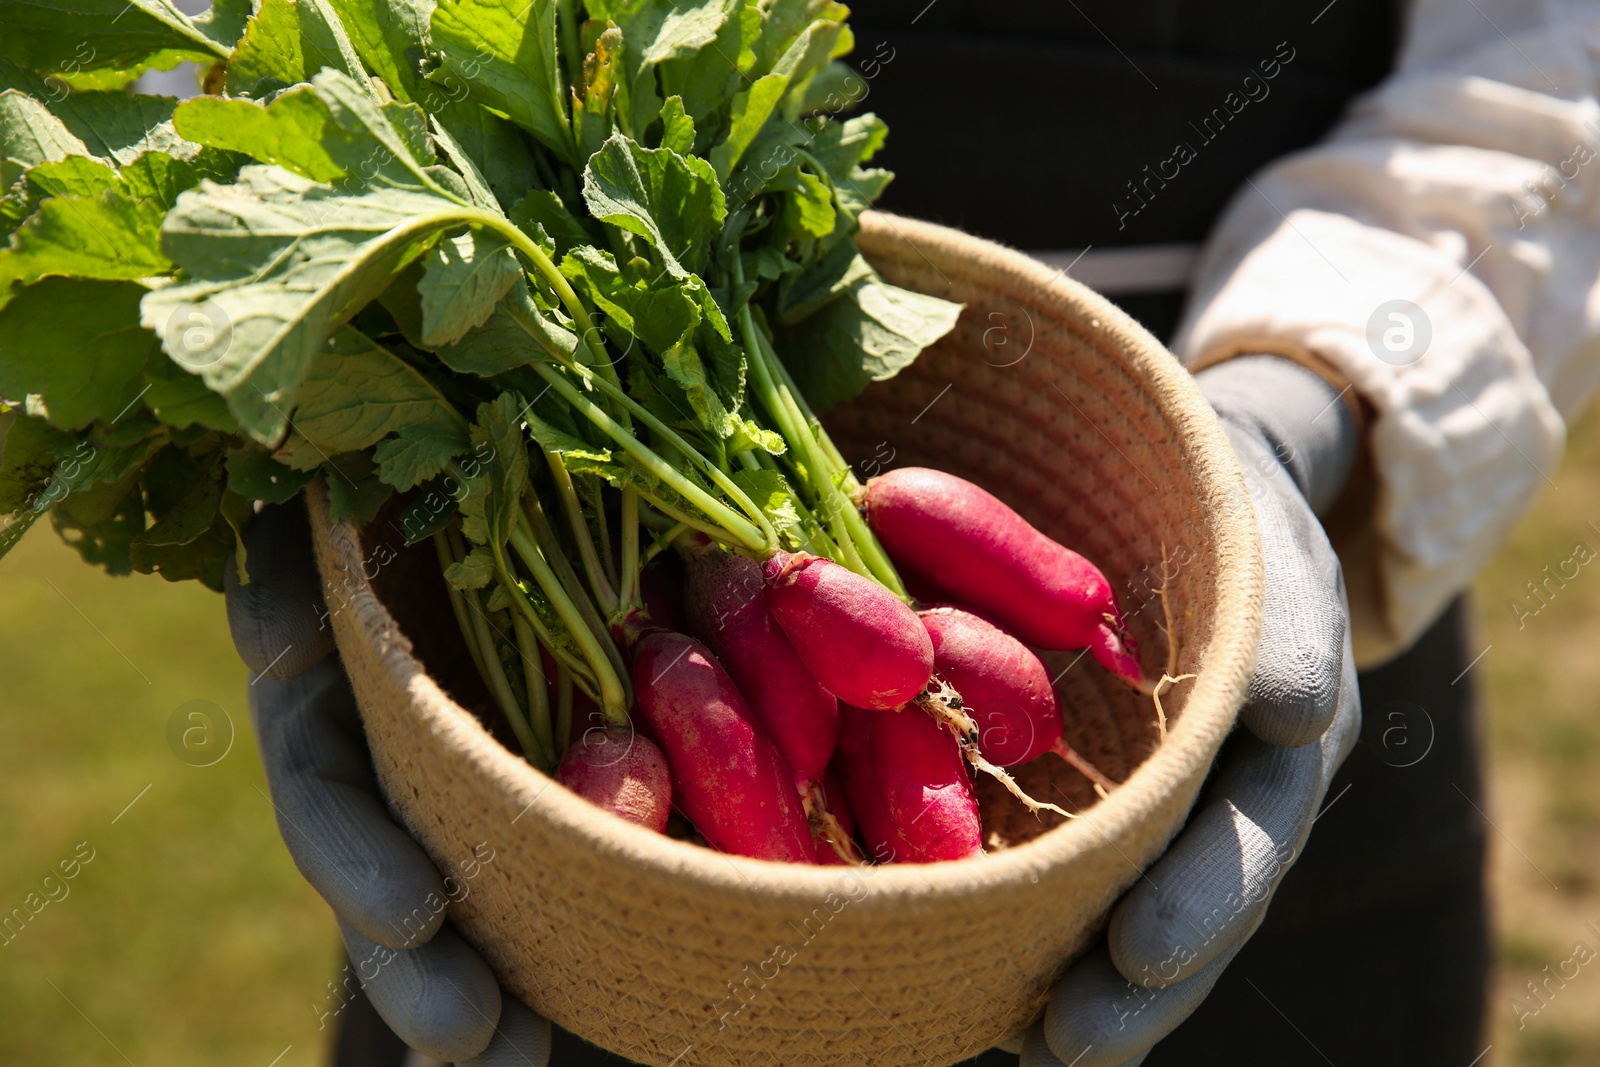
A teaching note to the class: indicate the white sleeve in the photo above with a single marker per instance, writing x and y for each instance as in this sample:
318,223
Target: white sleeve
1463,196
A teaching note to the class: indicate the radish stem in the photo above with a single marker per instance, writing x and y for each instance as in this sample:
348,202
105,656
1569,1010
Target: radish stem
538,695
598,582
613,697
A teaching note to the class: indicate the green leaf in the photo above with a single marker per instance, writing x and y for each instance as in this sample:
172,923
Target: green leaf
751,110
504,53
708,78
323,131
545,210
497,471
70,35
75,176
836,273
275,262
255,475
677,128
473,571
355,493
192,508
29,452
769,490
599,91
496,147
517,333
105,236
842,146
417,452
287,42
30,134
76,343
179,399
204,559
289,131
356,393
867,334
389,36
463,279
115,126
672,201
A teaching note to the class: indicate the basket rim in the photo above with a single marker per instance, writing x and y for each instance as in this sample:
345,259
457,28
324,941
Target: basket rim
1211,705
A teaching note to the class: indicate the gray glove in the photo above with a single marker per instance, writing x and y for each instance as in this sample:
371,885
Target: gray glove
1173,933
428,984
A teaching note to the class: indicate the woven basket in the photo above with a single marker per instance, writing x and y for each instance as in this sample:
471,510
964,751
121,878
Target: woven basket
669,953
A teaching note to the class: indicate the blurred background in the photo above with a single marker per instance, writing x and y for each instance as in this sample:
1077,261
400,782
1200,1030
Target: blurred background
188,937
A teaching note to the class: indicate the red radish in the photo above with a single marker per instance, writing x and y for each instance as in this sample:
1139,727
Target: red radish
854,763
855,637
727,775
926,788
946,532
727,610
1002,685
621,771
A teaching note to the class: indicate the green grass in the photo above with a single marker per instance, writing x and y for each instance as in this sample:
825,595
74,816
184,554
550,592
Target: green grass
1541,679
189,938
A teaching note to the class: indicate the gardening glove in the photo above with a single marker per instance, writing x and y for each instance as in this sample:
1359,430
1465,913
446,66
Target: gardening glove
430,986
1172,934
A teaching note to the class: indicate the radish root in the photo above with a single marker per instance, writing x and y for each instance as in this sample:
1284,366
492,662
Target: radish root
944,704
827,825
1169,677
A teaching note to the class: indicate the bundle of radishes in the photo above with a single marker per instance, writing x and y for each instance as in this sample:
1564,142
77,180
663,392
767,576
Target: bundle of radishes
547,283
811,700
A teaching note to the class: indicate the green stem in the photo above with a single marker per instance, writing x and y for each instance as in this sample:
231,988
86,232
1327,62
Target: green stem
495,675
563,289
746,534
718,478
563,709
663,542
544,537
781,406
613,697
538,694
458,606
629,596
603,591
597,510
862,540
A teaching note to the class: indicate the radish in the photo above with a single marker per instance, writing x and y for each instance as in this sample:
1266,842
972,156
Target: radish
946,532
1003,685
927,791
858,639
621,771
726,610
867,805
727,775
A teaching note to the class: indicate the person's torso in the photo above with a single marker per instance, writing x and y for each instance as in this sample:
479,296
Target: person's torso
1059,125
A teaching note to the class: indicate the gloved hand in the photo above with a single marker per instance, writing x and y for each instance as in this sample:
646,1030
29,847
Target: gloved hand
428,984
1172,934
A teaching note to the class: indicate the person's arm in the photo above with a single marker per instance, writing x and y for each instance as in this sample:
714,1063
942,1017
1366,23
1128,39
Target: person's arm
429,985
1174,932
1441,252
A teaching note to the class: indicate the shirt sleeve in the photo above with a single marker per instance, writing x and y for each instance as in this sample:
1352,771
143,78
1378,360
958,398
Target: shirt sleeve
1442,250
